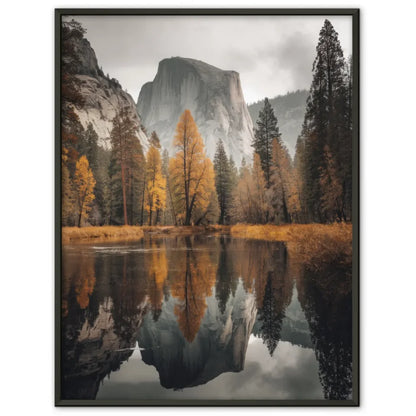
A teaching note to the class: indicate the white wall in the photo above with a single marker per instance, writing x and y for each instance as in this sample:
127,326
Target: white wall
387,199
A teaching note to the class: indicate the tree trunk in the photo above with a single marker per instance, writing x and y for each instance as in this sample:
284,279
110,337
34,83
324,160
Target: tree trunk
142,207
123,185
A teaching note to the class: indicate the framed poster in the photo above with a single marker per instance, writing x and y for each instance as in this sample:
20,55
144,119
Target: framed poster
207,207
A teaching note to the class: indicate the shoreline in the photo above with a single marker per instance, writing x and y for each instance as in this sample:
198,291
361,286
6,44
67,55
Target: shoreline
267,232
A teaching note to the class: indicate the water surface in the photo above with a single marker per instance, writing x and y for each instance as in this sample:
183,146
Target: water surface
203,317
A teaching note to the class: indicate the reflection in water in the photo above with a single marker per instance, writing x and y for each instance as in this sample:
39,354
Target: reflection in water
326,299
192,279
197,307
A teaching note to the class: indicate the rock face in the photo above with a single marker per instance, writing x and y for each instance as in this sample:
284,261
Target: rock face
220,344
95,350
213,96
103,97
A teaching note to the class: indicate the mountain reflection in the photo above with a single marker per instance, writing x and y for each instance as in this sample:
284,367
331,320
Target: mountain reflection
192,303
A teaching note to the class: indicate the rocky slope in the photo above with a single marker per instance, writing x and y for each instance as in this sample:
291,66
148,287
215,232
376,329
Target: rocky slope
103,96
220,344
290,111
213,96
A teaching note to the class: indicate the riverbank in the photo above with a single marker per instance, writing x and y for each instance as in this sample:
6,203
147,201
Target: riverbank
104,233
307,240
128,232
312,245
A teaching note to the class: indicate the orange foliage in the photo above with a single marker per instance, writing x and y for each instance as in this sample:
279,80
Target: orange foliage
157,274
84,183
193,277
191,172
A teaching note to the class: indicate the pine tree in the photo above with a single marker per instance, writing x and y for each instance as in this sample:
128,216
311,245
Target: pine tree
267,130
222,181
126,168
282,192
67,194
327,124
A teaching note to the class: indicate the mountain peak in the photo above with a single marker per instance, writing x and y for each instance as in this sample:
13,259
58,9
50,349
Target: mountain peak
213,96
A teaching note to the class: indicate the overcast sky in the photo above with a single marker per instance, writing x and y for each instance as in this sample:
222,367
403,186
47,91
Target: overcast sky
273,54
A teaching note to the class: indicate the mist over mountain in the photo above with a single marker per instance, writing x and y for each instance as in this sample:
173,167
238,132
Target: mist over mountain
290,111
213,96
103,96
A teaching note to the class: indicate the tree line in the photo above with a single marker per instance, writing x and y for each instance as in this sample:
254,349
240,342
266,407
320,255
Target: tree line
127,186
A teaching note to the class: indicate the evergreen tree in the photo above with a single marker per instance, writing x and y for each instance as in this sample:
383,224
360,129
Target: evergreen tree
126,170
267,130
222,181
327,125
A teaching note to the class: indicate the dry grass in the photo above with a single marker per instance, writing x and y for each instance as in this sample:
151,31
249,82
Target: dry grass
72,234
185,230
106,233
321,245
313,245
263,232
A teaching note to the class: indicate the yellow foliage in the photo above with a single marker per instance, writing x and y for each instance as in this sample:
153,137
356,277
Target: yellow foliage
191,172
84,183
156,183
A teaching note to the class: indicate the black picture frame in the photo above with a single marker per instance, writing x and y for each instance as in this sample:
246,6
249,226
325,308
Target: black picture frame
355,14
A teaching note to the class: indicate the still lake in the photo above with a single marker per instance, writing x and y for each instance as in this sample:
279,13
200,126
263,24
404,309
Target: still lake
203,317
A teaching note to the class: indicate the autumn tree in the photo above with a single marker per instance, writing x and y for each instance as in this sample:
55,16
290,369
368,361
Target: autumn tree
267,130
156,182
250,202
190,170
126,168
283,192
169,212
84,183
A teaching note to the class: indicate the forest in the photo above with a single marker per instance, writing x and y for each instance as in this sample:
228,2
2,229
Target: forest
126,184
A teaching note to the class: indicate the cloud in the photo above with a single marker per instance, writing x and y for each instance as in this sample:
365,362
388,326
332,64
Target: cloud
273,54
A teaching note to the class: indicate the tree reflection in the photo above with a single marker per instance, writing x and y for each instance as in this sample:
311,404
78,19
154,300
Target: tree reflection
157,272
275,296
227,277
193,277
100,321
129,289
327,302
